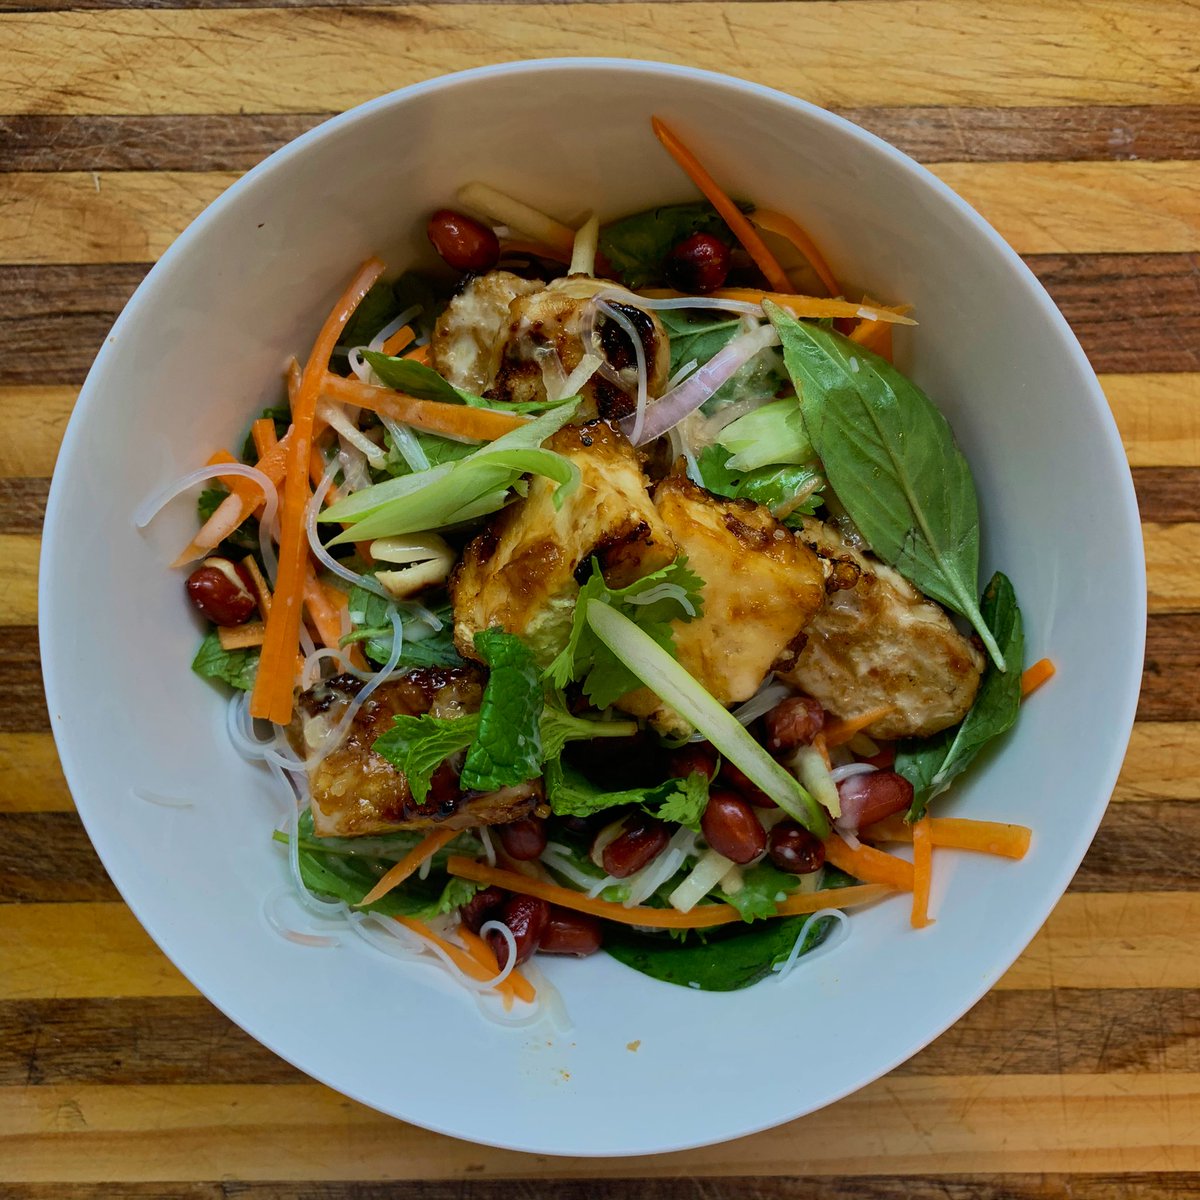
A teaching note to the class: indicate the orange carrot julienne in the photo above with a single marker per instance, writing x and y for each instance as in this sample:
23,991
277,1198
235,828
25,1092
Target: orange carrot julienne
816,307
839,732
704,916
323,615
401,338
785,227
262,589
341,603
730,213
454,420
922,872
521,986
958,833
869,865
274,685
420,354
411,862
1035,676
465,961
241,637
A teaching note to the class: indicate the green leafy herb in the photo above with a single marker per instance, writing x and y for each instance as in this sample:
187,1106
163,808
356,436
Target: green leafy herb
678,801
932,764
454,492
724,961
417,746
379,306
764,888
637,246
437,450
696,339
371,616
586,658
790,492
412,289
891,458
235,667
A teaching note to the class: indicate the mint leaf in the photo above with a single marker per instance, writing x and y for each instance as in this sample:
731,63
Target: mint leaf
417,746
653,603
235,667
680,801
507,749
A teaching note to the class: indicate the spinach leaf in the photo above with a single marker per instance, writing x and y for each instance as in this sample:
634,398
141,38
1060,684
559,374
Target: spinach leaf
678,801
776,488
892,460
931,765
235,667
637,246
722,962
653,603
696,339
507,749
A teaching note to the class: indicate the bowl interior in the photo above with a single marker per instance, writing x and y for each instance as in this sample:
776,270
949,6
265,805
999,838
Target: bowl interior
201,347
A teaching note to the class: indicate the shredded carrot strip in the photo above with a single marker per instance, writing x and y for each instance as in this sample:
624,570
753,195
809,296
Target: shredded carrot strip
293,375
521,986
241,637
262,589
323,615
958,833
273,687
420,354
816,307
837,733
410,863
401,338
822,748
262,434
1035,676
453,420
341,602
702,917
732,215
785,227
922,873
517,246
869,865
467,963
875,336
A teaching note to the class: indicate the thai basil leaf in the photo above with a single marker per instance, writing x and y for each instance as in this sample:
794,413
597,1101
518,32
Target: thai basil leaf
931,766
891,458
637,246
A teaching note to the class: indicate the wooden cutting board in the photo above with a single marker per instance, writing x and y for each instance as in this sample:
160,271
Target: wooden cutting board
1075,129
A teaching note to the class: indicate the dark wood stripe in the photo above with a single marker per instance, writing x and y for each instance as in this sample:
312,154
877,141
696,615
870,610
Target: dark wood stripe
237,141
1133,313
1169,691
1167,494
184,1040
23,504
1132,1186
22,701
1152,846
1168,684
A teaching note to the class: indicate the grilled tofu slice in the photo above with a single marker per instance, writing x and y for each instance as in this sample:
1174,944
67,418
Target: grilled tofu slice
762,586
356,792
523,572
467,338
878,641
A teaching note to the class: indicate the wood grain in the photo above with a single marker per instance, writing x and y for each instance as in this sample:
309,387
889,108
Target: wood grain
1039,208
1162,763
35,419
22,702
31,779
18,580
184,1040
304,1132
1133,313
94,949
1026,52
237,141
22,504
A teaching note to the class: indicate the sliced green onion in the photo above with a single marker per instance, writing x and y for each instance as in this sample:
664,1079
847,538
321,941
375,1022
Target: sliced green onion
772,435
674,686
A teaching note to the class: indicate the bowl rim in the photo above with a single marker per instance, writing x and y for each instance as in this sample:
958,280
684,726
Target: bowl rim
1018,938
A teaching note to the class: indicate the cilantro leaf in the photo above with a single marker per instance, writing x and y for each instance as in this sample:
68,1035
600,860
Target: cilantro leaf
680,801
763,888
653,603
507,749
236,667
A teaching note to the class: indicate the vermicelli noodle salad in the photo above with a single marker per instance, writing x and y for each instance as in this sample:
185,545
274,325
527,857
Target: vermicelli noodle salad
604,588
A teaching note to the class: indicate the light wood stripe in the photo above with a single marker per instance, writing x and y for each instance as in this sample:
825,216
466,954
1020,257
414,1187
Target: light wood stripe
1092,940
305,1131
1040,208
31,779
18,579
314,60
1158,416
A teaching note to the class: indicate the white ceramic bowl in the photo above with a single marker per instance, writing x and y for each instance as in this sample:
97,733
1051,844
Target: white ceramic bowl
199,347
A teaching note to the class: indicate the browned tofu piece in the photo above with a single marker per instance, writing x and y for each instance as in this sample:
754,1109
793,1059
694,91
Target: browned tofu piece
762,586
357,792
878,641
523,572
